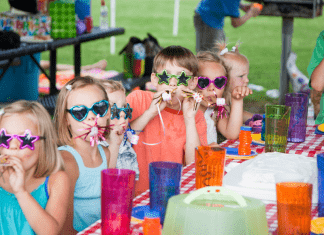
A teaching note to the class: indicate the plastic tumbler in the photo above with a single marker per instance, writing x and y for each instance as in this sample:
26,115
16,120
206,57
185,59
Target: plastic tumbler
117,194
298,116
210,162
164,183
294,202
277,123
320,166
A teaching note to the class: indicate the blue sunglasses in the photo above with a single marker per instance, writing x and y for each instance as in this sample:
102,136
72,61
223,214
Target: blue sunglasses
79,113
115,112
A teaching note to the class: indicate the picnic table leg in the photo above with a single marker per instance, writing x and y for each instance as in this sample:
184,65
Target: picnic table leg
53,89
287,32
77,59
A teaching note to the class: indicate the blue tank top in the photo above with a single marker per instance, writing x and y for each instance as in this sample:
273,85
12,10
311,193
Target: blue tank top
87,192
12,218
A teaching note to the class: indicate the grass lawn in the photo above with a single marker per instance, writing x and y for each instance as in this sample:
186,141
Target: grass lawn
260,36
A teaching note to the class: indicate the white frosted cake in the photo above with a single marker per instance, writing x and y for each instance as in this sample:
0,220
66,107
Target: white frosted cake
268,168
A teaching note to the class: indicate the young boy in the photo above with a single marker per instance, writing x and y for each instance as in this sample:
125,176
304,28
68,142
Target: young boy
172,128
120,114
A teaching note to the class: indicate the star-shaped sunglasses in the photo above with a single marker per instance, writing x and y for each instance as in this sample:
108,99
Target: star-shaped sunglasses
164,77
79,113
219,82
115,112
26,141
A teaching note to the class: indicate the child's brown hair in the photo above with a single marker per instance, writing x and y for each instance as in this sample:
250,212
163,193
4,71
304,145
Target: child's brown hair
178,55
113,85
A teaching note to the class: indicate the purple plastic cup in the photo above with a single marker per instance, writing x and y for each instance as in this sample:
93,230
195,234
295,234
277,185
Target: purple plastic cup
298,116
164,183
117,193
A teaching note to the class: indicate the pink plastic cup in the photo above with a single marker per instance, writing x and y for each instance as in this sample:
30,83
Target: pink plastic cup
118,186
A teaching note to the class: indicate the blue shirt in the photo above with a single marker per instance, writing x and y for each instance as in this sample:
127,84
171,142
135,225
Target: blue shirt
87,191
213,12
12,218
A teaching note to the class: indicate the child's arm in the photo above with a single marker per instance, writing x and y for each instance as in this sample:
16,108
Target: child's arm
230,127
115,139
317,77
50,220
140,123
247,115
252,12
72,169
192,137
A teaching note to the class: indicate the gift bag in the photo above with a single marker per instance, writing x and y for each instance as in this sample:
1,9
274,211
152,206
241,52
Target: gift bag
139,55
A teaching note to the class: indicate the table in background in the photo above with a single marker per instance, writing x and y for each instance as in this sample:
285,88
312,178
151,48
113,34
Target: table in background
32,48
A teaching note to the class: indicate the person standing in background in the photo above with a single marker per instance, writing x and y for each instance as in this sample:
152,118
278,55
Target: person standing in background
209,20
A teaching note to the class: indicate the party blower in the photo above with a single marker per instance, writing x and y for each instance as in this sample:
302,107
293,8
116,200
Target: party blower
216,211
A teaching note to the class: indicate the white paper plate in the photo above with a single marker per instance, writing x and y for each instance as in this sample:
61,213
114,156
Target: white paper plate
232,179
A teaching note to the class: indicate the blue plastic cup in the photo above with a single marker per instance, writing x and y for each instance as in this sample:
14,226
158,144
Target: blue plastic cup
320,166
164,183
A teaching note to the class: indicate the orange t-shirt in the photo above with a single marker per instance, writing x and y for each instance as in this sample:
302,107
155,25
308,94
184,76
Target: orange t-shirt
172,147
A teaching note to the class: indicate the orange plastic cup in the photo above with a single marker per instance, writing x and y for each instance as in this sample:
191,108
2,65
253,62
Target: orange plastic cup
258,5
210,162
294,203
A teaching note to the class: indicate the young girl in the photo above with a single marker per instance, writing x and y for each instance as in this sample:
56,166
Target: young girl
34,188
238,71
212,82
82,120
121,112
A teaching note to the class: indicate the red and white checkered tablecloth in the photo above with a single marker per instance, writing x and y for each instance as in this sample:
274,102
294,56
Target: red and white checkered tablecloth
312,146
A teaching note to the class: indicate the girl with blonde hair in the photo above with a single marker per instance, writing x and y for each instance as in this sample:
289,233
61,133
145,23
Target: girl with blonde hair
81,119
34,188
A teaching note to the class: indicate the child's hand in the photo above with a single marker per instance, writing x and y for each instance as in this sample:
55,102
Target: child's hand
116,135
240,92
156,98
189,106
16,174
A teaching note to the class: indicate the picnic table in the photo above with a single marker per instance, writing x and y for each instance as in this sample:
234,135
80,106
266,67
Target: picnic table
310,148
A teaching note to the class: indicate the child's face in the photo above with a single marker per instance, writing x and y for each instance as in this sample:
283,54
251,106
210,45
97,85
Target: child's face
238,76
211,70
118,98
17,124
173,82
86,96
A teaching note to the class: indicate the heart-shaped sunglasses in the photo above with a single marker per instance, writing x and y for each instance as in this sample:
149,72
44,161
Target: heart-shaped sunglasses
79,113
219,82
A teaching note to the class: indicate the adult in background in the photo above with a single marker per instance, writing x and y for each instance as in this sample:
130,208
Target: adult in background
209,20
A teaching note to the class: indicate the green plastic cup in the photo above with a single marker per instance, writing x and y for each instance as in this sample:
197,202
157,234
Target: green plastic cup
276,131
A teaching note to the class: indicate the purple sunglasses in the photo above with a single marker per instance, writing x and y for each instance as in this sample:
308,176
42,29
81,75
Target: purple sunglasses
219,82
27,140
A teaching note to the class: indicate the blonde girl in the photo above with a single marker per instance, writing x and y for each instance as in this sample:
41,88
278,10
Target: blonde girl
82,107
238,70
212,83
34,188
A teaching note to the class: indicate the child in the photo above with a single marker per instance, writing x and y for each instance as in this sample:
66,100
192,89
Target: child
212,82
34,188
121,112
170,127
238,70
315,70
82,119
